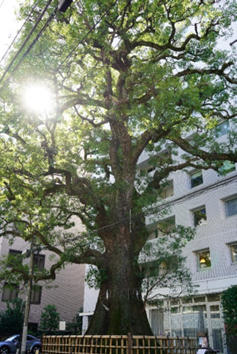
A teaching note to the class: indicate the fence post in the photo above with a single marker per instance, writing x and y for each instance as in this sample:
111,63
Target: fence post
129,343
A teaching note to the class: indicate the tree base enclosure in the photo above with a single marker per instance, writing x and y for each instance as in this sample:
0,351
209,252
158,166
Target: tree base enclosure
124,344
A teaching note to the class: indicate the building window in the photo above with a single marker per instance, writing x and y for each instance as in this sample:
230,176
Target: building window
162,228
39,260
153,269
10,292
231,207
233,249
168,190
35,297
166,226
222,129
189,319
14,252
153,233
213,297
200,216
204,259
215,311
227,167
196,179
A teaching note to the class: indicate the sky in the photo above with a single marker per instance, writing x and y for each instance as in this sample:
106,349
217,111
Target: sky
8,24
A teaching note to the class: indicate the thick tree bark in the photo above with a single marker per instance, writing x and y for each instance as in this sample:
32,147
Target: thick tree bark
120,308
119,311
124,316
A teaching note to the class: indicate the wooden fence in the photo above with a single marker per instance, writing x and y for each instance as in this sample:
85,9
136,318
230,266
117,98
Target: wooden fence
124,344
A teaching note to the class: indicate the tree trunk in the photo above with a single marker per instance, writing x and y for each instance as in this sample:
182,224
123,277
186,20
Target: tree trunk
120,308
126,313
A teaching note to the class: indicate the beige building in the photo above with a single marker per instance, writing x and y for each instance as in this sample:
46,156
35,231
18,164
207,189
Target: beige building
65,292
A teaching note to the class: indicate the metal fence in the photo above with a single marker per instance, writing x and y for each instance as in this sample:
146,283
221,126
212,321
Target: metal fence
124,344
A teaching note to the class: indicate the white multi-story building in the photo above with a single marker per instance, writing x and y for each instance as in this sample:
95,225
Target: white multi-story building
208,201
65,292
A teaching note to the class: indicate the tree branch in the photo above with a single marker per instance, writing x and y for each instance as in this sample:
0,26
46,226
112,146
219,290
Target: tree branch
219,72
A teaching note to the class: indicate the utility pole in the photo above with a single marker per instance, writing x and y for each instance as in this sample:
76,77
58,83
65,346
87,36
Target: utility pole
28,297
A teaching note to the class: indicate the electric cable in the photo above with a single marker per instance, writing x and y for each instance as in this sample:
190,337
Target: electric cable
25,42
178,200
84,37
161,207
152,210
34,41
39,35
14,39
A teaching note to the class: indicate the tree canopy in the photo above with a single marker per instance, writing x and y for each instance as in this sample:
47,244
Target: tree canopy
128,77
49,319
228,301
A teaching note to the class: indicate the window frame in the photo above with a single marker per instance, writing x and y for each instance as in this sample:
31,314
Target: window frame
196,220
37,259
155,230
168,190
35,296
13,290
14,252
233,256
219,132
192,180
169,224
227,167
226,201
153,234
152,269
206,255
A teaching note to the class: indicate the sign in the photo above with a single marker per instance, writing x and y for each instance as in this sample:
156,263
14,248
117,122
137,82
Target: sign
62,325
202,341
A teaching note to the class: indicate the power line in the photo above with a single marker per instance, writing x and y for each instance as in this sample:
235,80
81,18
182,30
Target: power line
84,37
25,42
34,41
152,210
163,206
14,39
39,35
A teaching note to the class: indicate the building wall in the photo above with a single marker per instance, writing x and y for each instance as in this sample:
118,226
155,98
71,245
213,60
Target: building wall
216,235
65,292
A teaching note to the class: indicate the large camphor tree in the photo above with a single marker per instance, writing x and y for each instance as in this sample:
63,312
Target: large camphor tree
127,77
